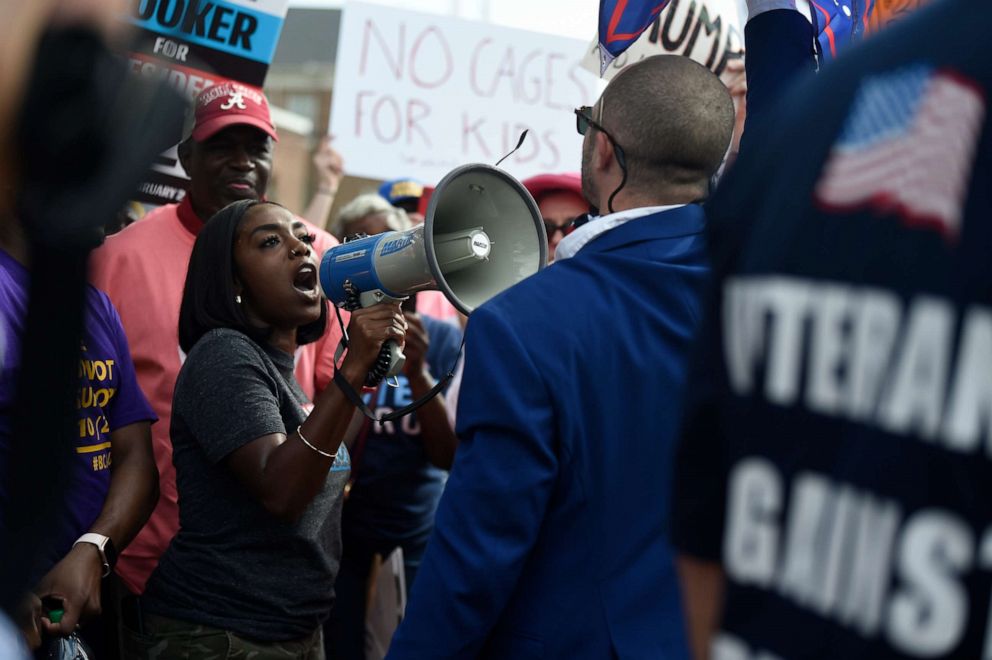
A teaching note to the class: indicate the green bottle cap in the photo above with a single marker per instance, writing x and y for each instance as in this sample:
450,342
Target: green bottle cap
55,616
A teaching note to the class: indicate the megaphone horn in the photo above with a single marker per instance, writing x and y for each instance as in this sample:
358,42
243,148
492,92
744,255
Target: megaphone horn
482,233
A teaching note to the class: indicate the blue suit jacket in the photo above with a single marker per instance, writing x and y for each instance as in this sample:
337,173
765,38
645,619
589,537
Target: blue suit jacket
551,535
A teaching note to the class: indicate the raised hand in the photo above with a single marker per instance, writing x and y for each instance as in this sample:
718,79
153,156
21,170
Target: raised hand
329,165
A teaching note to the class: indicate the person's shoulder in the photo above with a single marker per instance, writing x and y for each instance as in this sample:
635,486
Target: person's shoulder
542,297
219,337
101,307
220,345
219,356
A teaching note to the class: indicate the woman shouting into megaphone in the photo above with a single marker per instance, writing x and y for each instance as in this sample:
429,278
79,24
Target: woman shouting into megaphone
260,470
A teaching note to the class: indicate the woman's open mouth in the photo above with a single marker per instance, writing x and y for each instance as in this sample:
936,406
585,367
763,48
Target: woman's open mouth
305,280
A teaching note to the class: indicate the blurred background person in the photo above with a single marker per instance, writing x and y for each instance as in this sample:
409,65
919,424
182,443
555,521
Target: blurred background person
67,100
832,477
404,193
559,198
369,214
113,483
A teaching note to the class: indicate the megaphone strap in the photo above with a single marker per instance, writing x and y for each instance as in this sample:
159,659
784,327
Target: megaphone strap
357,401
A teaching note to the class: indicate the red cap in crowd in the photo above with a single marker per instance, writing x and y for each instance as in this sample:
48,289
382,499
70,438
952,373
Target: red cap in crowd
542,183
228,104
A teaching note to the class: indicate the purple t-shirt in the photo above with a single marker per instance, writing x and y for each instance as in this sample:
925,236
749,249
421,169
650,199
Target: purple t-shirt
109,397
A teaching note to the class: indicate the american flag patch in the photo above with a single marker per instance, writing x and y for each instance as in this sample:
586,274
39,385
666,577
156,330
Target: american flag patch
907,148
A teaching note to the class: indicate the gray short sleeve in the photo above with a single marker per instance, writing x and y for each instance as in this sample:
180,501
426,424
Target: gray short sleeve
229,395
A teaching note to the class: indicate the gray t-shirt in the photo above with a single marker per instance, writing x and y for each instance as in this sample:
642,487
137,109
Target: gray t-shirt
233,565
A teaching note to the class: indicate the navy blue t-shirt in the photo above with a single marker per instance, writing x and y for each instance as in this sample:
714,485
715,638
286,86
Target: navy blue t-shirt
836,456
396,488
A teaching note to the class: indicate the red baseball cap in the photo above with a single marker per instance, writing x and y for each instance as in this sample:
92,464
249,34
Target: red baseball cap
228,104
542,183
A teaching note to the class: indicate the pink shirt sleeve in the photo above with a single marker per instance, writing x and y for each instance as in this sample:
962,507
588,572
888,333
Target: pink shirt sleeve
315,362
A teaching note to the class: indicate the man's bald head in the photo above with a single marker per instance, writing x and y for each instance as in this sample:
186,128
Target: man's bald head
672,117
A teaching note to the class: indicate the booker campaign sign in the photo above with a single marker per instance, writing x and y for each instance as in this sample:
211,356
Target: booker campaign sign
194,44
417,95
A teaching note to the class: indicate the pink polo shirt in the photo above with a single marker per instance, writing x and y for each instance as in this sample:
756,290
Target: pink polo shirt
143,270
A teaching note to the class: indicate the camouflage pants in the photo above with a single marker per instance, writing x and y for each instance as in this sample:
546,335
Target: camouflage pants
171,639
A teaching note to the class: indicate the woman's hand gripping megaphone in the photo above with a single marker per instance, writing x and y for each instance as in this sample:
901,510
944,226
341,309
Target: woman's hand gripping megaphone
369,329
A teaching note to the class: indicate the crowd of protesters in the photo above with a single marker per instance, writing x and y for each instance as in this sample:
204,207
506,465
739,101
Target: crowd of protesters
744,413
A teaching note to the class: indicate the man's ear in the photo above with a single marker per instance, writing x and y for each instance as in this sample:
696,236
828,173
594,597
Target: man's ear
602,151
185,149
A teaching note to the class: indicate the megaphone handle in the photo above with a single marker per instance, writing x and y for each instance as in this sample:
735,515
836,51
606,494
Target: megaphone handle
390,360
388,363
395,357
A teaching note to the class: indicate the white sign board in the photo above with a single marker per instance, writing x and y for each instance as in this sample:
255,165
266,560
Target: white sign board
418,95
711,32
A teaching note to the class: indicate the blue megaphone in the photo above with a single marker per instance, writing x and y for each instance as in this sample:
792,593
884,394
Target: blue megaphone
482,233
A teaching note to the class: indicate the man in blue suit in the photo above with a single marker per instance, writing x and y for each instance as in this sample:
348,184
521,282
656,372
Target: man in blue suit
550,537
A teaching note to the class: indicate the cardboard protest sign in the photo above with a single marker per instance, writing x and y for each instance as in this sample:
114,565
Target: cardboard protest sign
417,95
709,31
194,44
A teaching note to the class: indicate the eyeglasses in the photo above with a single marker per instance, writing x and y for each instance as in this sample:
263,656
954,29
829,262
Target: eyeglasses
583,120
565,228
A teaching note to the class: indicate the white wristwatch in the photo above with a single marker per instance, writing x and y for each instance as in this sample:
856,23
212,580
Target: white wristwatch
108,554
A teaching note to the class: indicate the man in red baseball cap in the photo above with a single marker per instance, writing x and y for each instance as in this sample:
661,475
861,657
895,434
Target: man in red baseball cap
227,147
227,153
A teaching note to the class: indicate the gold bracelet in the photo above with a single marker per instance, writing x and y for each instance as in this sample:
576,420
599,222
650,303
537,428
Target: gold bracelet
299,432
